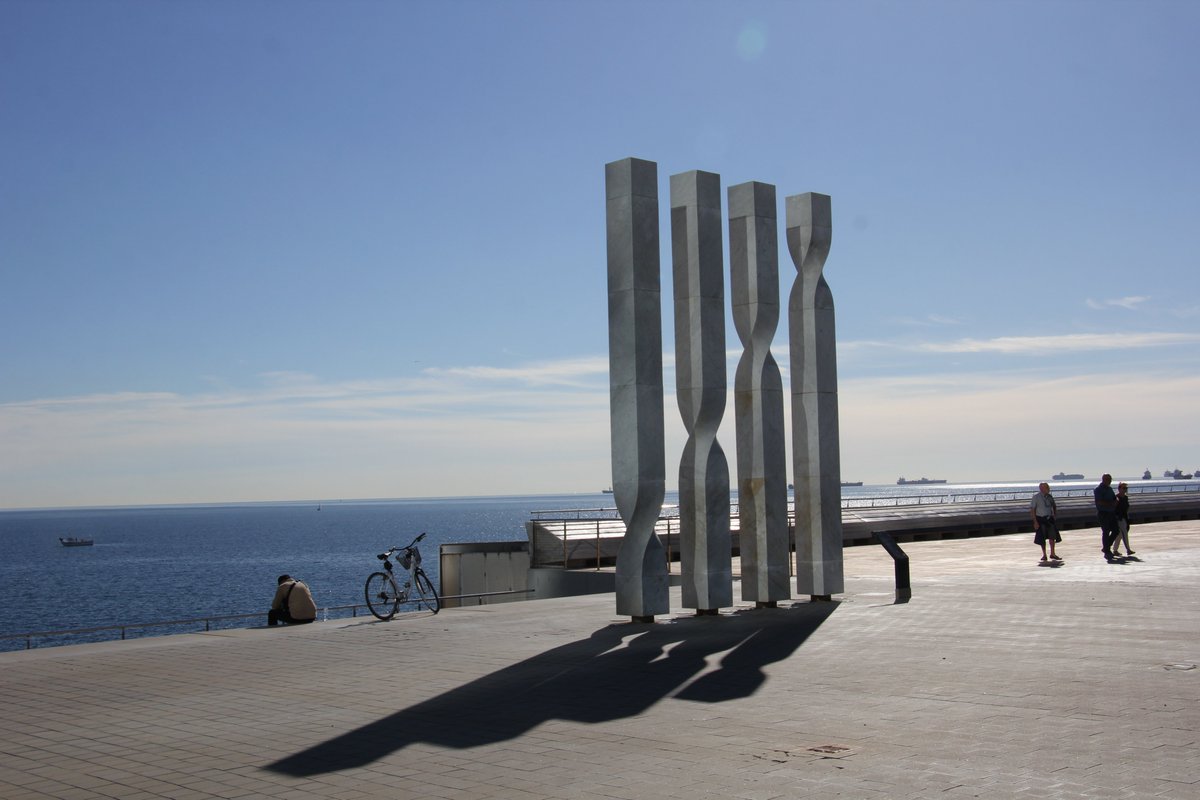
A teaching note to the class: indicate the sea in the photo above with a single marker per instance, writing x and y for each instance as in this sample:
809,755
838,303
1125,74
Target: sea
161,563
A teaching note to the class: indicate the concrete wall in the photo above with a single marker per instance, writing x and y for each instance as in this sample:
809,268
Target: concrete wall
554,582
481,569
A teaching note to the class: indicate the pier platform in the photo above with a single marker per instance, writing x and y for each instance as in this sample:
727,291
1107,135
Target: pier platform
1000,678
577,542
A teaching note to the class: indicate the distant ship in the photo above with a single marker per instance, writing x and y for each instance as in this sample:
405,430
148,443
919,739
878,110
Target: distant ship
1068,476
851,483
921,482
1146,475
606,491
1178,475
75,541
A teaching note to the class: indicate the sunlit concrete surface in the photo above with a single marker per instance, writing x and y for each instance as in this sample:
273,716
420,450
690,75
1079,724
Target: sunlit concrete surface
1000,678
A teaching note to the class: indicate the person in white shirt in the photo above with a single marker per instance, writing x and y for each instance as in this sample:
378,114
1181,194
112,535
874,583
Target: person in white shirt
293,603
1043,510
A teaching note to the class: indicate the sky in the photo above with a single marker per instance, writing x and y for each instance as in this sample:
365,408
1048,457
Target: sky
268,250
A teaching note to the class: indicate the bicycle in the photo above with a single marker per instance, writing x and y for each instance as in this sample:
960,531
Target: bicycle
384,592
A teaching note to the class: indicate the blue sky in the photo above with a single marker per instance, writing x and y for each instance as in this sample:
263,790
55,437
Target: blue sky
315,250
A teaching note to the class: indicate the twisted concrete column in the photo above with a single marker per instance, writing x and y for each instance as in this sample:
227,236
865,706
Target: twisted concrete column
758,395
815,448
700,384
636,384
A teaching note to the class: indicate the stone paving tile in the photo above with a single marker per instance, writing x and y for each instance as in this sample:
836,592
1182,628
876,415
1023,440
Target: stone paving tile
998,679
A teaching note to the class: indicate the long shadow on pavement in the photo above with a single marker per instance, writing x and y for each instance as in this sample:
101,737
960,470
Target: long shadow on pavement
619,671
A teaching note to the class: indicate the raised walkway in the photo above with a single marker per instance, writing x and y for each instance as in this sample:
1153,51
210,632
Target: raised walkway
587,538
999,679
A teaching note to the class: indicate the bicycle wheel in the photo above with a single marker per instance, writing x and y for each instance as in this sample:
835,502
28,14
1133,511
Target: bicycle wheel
427,595
382,597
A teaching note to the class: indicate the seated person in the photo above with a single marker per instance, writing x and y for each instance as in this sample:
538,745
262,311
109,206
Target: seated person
293,603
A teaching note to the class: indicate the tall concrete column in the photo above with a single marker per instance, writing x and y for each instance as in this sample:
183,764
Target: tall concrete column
700,384
758,395
816,454
636,383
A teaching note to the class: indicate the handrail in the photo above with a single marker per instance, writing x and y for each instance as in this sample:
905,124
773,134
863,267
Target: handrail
949,497
603,512
997,495
353,609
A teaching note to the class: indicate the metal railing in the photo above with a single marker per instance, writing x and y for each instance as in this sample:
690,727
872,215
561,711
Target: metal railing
570,532
573,527
322,613
999,495
669,510
948,497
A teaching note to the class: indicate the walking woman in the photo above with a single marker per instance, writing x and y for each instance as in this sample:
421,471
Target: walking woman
1122,536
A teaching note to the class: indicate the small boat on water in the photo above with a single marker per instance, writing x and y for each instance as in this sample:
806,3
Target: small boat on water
75,541
1146,475
606,491
919,482
1068,476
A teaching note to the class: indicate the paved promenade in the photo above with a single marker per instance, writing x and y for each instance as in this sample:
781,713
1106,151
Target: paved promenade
999,679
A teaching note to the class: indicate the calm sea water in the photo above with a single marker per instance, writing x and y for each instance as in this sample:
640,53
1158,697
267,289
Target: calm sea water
167,563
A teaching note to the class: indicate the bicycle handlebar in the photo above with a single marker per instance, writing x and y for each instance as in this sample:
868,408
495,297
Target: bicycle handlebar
409,546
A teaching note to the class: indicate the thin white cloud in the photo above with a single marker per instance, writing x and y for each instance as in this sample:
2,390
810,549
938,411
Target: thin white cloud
1131,303
568,372
294,436
1017,426
1057,344
928,321
1072,342
543,428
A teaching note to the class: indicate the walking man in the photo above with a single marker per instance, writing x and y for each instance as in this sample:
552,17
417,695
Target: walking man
1106,510
1043,508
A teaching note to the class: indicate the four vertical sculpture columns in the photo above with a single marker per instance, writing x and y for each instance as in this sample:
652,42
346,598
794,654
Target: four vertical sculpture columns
636,392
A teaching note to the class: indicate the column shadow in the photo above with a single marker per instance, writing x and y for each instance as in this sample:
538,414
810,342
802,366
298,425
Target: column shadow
619,671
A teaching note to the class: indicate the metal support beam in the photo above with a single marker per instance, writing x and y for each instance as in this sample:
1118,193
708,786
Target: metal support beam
903,587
